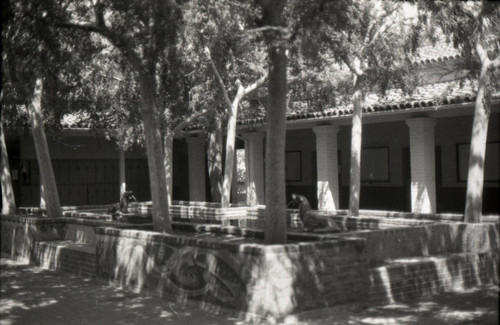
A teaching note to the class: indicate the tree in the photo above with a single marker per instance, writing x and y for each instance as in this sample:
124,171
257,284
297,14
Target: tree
276,37
241,93
142,31
373,40
34,53
49,187
474,28
217,33
8,200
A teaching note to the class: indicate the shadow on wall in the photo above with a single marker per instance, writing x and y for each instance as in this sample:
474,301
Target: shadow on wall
172,269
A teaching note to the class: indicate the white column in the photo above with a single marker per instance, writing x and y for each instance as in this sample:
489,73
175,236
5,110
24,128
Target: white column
196,165
234,185
327,167
422,162
121,168
254,160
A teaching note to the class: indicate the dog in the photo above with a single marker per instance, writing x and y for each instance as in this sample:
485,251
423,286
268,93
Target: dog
310,221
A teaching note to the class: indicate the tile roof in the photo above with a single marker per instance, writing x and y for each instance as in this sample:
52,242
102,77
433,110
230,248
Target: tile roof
436,53
446,93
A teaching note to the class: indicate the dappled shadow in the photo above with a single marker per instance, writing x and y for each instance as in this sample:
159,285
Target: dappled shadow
30,295
475,306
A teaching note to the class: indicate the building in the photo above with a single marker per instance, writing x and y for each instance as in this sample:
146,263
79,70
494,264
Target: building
414,156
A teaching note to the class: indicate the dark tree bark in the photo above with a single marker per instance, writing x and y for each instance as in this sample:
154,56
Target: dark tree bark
154,150
275,232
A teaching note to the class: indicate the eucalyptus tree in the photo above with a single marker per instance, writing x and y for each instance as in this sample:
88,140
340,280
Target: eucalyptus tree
143,32
218,31
8,199
282,23
474,28
39,75
375,40
276,35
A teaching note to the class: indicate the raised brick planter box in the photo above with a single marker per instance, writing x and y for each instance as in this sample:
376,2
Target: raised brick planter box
254,278
369,262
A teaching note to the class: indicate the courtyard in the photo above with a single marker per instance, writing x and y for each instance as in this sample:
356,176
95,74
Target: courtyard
236,162
31,295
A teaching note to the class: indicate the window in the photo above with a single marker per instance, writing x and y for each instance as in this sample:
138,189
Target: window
375,164
293,166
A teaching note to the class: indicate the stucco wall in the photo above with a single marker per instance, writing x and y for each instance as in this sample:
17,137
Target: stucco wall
394,193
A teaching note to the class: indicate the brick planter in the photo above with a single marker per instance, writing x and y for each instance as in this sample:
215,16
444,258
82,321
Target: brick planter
375,259
273,280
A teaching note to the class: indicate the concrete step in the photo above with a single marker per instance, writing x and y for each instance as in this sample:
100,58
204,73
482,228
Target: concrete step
68,256
409,278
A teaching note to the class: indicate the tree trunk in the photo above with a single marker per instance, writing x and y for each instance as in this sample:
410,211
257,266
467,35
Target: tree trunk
230,148
477,155
48,181
121,172
356,136
8,199
154,149
168,147
214,161
275,232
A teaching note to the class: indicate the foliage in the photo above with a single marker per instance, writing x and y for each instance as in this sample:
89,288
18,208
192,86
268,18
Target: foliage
221,27
462,24
31,48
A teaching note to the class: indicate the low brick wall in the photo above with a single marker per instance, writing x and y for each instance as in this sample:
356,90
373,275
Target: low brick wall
416,277
314,270
426,240
66,256
208,212
455,217
264,280
20,234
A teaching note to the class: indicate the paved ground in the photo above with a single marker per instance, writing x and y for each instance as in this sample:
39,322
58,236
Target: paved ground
30,295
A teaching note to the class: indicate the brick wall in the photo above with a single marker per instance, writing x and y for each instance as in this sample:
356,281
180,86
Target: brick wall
65,256
427,240
264,280
416,258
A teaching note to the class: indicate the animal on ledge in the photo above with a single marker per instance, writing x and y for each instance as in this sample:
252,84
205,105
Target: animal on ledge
311,221
119,209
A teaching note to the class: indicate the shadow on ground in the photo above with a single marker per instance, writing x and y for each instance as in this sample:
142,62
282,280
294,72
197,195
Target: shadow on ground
31,295
471,306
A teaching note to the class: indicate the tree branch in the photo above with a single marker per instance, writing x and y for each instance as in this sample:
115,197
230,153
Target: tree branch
178,128
217,76
257,84
355,68
121,42
495,64
481,52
